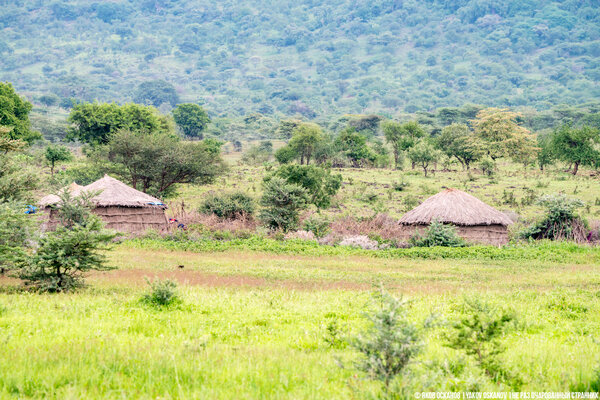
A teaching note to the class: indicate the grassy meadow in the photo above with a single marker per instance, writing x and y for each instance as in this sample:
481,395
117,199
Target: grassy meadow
264,318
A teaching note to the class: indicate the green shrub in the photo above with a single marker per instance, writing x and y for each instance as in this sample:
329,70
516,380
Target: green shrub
561,221
317,224
282,203
162,293
438,234
477,332
390,342
229,205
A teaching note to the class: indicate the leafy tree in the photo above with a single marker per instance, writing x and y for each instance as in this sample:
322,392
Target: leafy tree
402,136
546,155
576,146
16,232
156,93
501,134
391,341
258,153
354,146
305,139
423,154
57,153
94,123
319,183
155,163
458,141
75,247
191,118
286,128
14,114
282,203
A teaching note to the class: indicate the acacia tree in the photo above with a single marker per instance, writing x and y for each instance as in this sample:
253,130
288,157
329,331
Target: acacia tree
501,134
155,163
319,183
191,118
458,141
305,139
401,136
576,146
282,202
423,154
57,153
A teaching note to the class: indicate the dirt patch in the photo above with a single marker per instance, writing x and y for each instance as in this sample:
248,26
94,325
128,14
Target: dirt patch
137,277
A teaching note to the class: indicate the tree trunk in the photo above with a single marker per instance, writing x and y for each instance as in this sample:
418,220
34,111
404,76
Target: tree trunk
575,168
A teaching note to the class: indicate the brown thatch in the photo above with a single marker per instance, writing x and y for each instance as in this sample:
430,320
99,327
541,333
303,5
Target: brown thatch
53,199
476,221
455,207
121,207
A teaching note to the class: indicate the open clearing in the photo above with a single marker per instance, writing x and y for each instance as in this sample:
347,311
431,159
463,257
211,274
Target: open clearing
257,321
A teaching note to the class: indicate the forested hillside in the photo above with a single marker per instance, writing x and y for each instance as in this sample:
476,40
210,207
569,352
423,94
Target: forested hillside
307,57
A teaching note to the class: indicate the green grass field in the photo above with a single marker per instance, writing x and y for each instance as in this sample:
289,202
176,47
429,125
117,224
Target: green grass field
252,324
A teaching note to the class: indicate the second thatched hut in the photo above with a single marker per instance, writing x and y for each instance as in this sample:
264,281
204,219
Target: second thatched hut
476,221
121,207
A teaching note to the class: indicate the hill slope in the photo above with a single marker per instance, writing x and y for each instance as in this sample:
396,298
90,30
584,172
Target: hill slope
306,56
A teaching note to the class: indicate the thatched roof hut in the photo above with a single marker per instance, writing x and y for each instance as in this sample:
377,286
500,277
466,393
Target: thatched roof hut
53,199
475,221
122,208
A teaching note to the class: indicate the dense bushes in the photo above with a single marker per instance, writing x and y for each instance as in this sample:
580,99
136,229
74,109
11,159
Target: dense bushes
229,205
561,221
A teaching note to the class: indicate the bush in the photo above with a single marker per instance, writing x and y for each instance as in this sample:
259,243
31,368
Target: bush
391,341
318,225
360,241
438,234
162,293
318,182
282,203
16,231
229,205
561,222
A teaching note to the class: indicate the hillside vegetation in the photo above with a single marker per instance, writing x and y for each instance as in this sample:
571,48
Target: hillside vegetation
305,57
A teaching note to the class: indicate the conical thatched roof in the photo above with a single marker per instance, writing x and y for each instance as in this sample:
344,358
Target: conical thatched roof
456,207
52,199
113,192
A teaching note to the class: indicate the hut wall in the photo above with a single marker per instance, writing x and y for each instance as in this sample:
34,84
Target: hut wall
133,219
495,235
122,219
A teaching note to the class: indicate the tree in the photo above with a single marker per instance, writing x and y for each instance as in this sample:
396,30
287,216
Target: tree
14,114
17,178
155,163
16,232
390,342
7,144
576,146
57,153
258,153
191,118
354,146
500,133
156,93
282,203
546,155
402,136
94,123
318,182
285,155
423,154
76,246
305,139
458,141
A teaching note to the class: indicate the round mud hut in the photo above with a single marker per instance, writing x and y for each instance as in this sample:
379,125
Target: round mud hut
121,207
476,222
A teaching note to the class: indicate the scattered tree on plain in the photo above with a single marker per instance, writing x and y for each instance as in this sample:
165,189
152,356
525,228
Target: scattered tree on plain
191,118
